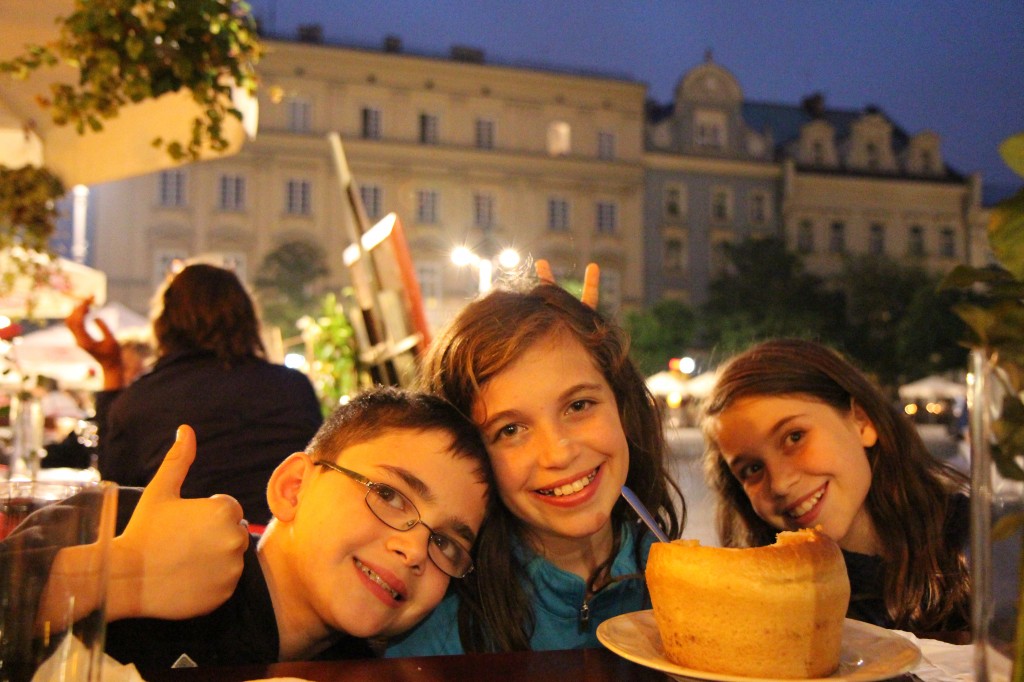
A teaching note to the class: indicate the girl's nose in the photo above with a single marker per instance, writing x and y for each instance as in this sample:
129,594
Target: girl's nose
781,477
558,450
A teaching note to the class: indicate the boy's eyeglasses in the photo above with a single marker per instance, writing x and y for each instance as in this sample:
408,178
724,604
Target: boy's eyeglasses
397,511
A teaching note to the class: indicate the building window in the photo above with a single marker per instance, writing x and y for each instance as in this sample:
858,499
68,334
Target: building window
607,217
300,115
428,129
172,188
559,138
873,159
484,133
709,129
428,274
606,145
805,237
947,243
876,239
837,237
232,193
167,262
483,211
672,258
758,208
371,197
916,244
818,153
927,162
674,202
298,200
558,215
721,210
371,124
426,206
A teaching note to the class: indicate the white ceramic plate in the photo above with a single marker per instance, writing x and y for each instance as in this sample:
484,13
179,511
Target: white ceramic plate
869,652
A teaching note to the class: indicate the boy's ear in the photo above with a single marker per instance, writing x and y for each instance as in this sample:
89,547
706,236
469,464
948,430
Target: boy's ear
285,485
868,432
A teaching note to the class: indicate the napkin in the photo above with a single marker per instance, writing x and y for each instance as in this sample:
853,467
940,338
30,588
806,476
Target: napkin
53,667
942,662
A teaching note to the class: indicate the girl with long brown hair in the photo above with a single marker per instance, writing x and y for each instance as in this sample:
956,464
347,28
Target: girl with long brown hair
798,437
567,420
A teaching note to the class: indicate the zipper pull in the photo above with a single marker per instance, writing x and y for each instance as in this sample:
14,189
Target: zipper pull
585,617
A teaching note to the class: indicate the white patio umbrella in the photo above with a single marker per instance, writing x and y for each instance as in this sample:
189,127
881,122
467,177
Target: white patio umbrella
933,388
666,383
700,386
67,284
124,147
52,352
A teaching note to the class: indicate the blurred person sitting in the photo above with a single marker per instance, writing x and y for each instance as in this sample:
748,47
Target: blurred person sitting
210,372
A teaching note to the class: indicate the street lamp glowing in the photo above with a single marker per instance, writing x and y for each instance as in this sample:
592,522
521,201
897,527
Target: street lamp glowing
462,256
508,258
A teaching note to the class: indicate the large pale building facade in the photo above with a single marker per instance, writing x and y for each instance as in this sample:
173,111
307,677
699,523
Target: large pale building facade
566,166
831,183
466,153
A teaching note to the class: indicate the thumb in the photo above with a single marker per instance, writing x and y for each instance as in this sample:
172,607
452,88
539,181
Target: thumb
166,483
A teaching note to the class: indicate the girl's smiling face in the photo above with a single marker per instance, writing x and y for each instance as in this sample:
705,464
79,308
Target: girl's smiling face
551,424
802,463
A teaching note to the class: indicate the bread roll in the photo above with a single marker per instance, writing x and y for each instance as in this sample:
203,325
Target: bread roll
769,612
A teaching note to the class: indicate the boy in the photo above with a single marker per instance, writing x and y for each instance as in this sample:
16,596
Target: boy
343,558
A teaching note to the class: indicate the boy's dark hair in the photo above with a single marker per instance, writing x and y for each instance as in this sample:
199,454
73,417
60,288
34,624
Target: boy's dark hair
377,410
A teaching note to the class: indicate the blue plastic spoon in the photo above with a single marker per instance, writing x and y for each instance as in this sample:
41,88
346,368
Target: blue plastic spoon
645,515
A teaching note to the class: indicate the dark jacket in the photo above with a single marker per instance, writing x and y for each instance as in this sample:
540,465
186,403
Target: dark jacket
247,417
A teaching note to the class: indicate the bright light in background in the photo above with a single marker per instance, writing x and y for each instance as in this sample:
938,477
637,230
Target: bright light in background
295,361
674,399
462,256
508,258
4,321
687,365
910,409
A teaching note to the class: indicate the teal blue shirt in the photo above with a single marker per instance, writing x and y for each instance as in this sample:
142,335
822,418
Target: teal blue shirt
558,604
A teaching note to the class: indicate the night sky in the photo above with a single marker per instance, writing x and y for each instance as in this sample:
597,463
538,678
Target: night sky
952,66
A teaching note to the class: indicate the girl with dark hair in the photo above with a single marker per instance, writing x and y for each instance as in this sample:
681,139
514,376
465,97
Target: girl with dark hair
567,420
798,437
211,373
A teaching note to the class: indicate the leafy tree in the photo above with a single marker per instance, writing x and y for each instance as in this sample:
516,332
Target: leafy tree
765,292
659,334
898,326
287,280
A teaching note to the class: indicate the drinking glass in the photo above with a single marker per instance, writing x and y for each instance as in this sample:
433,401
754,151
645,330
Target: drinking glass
54,563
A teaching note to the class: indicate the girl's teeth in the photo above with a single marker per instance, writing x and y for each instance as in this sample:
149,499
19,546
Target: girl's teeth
570,488
377,579
807,506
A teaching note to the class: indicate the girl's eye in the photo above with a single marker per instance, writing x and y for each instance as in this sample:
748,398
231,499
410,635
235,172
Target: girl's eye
579,405
794,436
749,471
507,431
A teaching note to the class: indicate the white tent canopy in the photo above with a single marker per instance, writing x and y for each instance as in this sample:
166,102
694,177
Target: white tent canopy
52,352
933,388
67,284
669,382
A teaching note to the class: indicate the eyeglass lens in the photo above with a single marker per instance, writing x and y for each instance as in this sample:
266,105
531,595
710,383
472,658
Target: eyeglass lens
397,511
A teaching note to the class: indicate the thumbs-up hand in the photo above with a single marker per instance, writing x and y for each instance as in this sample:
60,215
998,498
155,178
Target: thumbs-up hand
177,558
